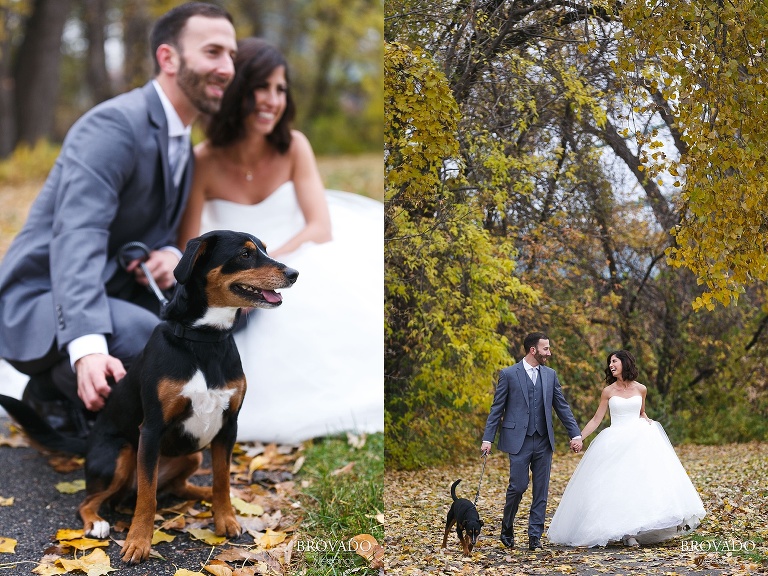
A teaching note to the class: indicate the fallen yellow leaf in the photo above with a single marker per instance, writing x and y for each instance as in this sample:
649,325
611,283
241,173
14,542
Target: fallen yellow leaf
85,543
160,536
69,534
71,487
94,564
271,538
7,545
246,508
6,501
185,572
218,569
47,566
257,463
206,536
14,441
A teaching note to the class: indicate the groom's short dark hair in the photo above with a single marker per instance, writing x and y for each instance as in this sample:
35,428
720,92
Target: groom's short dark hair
532,340
167,29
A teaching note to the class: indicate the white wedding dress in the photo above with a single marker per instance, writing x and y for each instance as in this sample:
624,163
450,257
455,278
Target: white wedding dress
629,482
315,365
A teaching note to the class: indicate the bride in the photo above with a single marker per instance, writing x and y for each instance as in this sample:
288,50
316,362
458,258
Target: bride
629,485
314,366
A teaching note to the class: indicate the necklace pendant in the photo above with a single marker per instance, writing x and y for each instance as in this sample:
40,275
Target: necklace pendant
249,176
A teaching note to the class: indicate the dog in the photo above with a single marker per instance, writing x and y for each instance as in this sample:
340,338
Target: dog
463,514
181,394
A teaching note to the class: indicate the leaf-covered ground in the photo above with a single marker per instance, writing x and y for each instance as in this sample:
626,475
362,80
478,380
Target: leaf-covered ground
40,532
732,539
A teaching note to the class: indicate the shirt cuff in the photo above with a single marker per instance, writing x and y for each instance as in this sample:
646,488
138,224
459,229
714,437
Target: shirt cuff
85,345
174,250
576,437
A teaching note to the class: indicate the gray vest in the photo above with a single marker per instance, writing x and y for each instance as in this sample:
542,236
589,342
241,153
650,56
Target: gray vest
536,416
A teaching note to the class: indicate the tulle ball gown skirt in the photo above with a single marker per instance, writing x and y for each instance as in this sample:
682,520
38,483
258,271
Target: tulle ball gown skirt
629,482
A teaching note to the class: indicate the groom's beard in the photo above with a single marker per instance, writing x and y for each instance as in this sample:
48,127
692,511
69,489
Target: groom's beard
540,358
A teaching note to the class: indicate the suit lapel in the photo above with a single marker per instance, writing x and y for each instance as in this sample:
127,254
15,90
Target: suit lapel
522,380
546,382
160,125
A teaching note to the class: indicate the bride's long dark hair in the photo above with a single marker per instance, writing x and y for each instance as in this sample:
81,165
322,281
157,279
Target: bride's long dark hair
255,61
628,366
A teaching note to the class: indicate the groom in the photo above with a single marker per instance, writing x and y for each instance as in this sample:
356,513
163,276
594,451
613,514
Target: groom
525,396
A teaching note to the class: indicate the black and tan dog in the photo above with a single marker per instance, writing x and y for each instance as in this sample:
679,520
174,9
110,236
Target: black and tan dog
182,393
468,524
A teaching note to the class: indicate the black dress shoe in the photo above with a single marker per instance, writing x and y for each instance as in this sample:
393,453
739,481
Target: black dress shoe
60,414
508,541
534,542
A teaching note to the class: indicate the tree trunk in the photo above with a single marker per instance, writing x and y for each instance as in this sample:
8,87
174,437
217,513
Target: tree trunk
139,62
7,111
37,70
319,102
254,12
96,75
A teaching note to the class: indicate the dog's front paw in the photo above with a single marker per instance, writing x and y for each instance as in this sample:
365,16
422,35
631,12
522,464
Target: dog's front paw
227,525
136,549
99,529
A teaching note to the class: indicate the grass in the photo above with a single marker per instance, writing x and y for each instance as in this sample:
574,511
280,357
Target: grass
362,173
339,506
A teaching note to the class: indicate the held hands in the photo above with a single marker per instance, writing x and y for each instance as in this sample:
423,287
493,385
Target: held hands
160,264
576,445
92,373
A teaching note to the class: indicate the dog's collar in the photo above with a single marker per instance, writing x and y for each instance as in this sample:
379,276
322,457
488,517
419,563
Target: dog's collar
198,334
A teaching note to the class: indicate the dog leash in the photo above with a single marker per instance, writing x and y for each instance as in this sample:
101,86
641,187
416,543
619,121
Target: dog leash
125,258
485,458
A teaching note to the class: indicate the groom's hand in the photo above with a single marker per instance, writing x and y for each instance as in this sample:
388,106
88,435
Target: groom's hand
485,448
576,445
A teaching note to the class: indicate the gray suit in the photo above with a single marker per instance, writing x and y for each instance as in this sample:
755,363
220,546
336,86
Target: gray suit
527,436
60,278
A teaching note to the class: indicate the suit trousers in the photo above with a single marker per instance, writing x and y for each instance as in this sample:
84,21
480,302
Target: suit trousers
536,456
132,325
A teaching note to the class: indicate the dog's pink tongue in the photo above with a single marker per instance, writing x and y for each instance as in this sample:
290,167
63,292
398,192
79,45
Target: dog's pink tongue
271,296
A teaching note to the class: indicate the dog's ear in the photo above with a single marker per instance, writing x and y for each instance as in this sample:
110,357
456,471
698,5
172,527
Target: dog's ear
195,248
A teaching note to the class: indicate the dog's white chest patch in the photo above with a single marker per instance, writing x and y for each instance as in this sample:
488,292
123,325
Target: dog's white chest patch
208,407
221,318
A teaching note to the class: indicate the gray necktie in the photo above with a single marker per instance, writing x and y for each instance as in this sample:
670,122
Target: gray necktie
179,160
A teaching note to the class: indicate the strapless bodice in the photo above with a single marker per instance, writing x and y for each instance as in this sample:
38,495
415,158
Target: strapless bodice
624,410
273,220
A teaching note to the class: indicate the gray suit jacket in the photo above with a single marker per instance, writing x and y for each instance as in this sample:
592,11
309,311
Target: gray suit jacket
111,184
510,408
